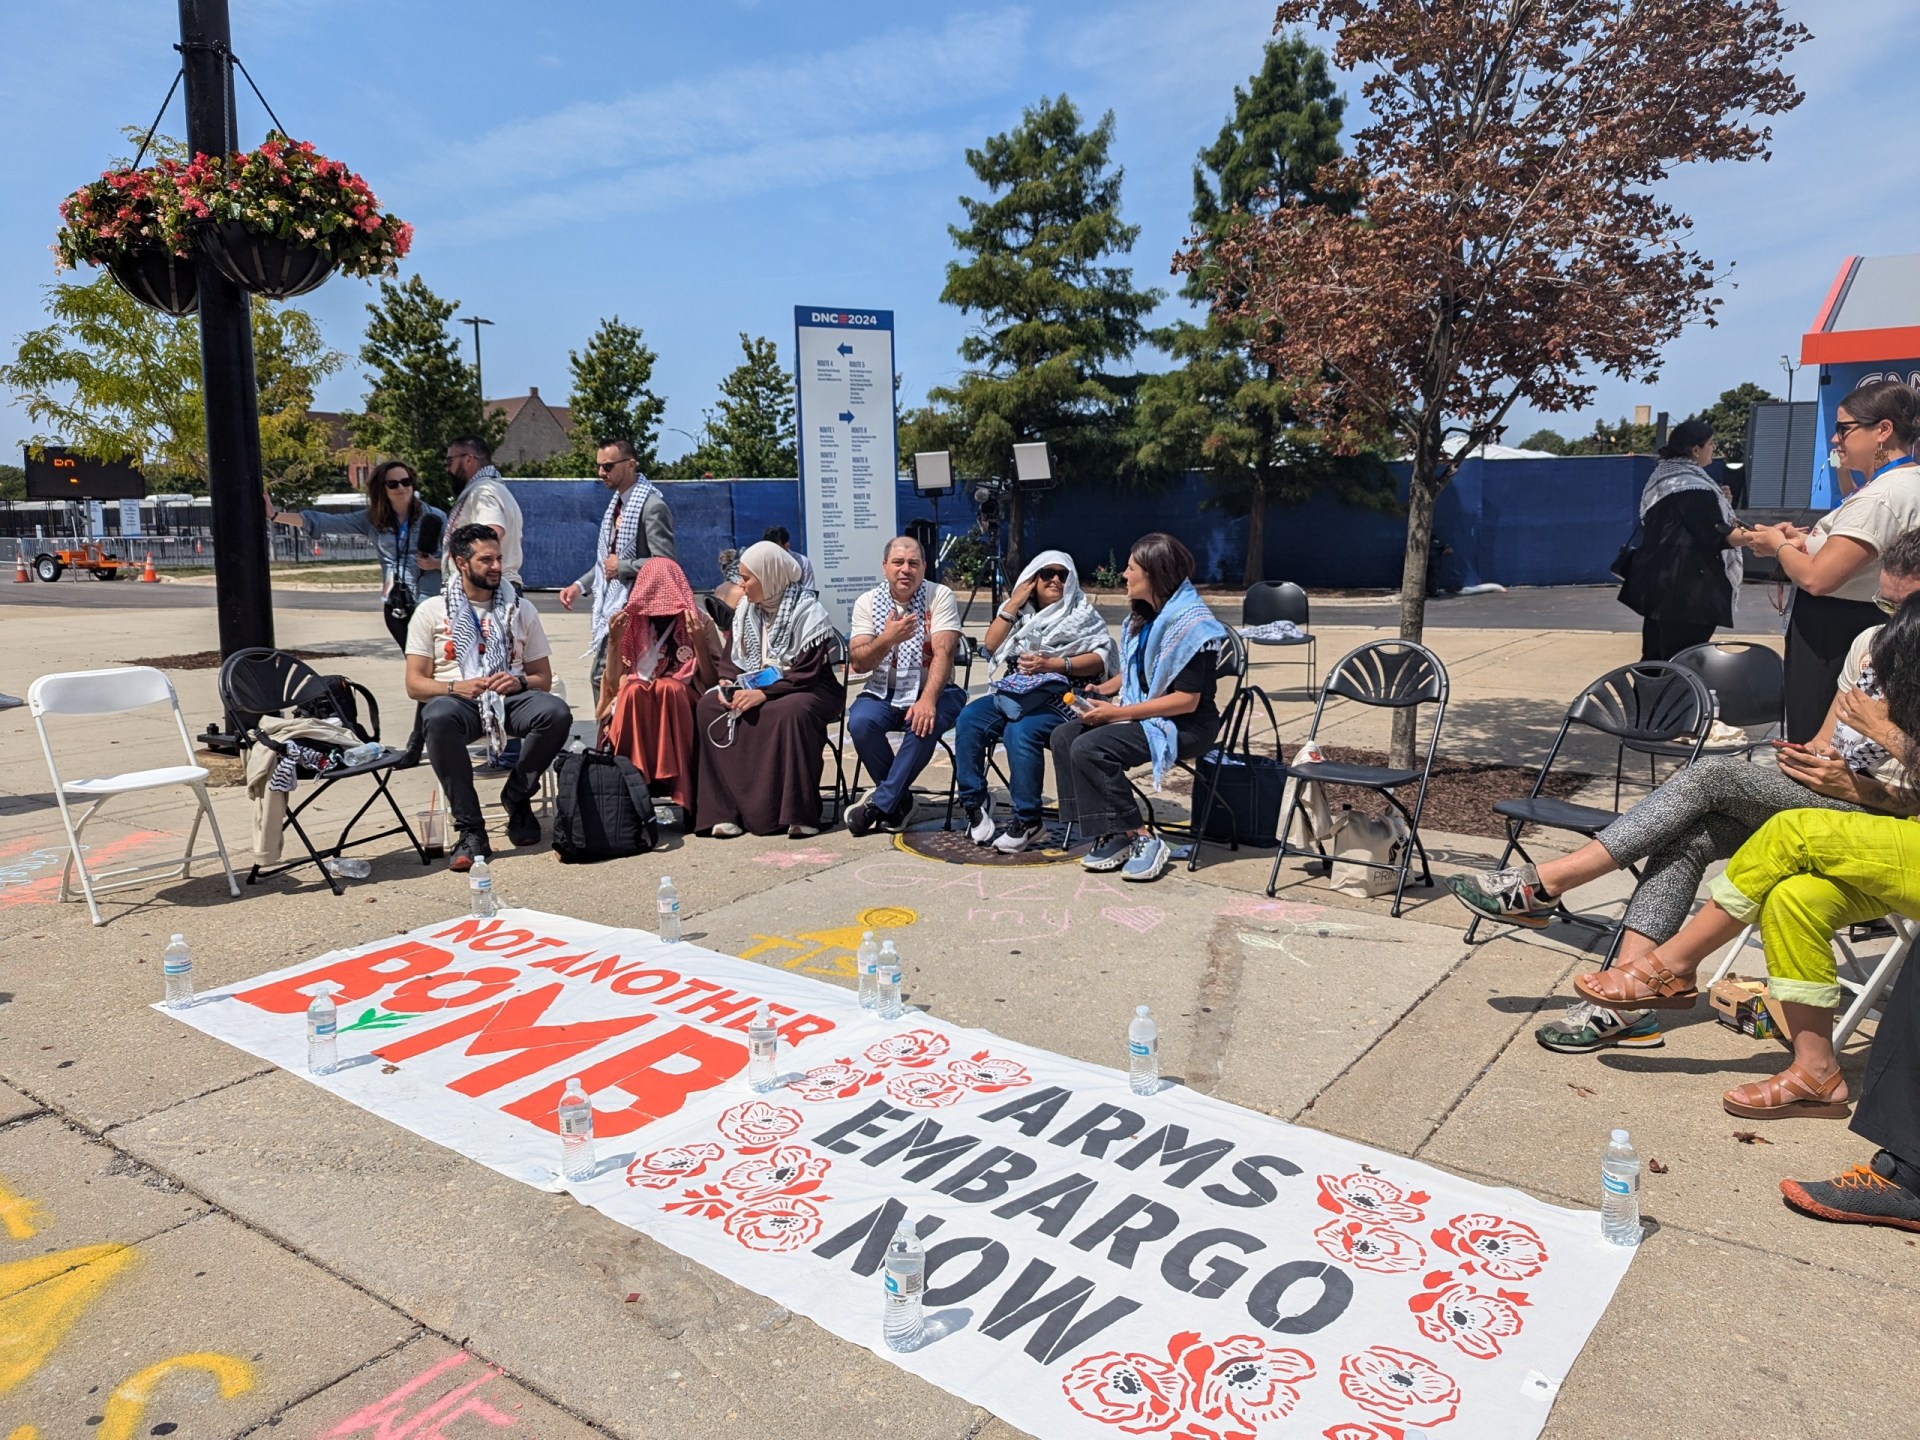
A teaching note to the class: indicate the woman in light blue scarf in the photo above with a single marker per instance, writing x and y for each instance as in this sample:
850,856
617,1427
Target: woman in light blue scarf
1169,660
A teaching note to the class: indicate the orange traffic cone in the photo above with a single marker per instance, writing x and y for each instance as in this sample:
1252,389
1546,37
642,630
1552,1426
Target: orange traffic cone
196,547
20,575
149,576
316,547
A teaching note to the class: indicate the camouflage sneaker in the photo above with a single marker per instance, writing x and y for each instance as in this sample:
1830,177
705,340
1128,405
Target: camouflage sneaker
1865,1195
1512,896
1593,1027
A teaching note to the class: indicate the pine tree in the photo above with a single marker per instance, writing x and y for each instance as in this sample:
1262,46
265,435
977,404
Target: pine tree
611,398
752,434
1054,318
1727,417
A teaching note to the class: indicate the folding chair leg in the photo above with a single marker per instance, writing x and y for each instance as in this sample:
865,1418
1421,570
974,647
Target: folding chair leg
74,860
1884,970
219,840
1730,956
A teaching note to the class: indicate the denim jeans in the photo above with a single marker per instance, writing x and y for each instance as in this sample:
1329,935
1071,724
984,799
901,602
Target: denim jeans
871,720
981,725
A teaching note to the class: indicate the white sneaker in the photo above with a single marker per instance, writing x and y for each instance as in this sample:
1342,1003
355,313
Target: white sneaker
727,830
980,826
1018,838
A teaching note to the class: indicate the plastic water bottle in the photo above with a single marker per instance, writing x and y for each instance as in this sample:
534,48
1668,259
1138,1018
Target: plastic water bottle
906,1281
1713,697
347,867
176,964
887,997
668,903
1143,1052
1620,1187
361,754
763,1043
866,962
480,886
575,1114
323,1023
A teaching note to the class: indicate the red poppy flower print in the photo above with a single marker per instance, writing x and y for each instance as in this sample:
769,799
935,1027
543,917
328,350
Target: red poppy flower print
1471,1322
1379,1248
924,1091
837,1081
707,1203
661,1169
1136,1394
1354,1430
1498,1248
915,1049
1240,1383
783,1223
1399,1386
988,1074
755,1122
1369,1197
791,1169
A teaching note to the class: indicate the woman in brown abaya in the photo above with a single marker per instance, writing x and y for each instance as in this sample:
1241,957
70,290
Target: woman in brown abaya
761,736
661,653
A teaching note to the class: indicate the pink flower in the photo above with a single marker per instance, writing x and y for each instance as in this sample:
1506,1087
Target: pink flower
661,1169
1499,1248
1369,1197
755,1122
777,1225
1472,1322
912,1048
790,1169
1136,1394
837,1081
1241,1382
989,1074
924,1092
1399,1386
1379,1248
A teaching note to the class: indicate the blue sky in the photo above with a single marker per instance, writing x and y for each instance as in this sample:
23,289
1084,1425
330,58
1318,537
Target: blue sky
700,169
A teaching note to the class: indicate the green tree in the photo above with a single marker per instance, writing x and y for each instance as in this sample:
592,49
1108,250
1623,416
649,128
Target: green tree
612,398
422,393
1054,318
13,482
119,381
1623,437
1551,441
1727,417
751,432
1222,411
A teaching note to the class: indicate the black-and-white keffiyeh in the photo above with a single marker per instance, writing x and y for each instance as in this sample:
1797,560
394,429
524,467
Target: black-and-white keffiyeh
1670,477
619,539
286,770
909,654
481,649
1068,627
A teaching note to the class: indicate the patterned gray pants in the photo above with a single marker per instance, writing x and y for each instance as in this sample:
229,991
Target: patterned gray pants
1703,814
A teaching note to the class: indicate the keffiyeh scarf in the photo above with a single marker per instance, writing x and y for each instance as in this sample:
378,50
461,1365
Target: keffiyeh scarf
483,648
910,652
1068,627
1153,653
1670,477
619,538
660,592
797,624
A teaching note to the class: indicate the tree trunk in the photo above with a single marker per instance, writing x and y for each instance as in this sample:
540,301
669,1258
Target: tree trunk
1256,568
1413,589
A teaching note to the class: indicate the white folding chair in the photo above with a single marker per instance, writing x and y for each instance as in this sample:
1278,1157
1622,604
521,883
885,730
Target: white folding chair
117,692
1872,978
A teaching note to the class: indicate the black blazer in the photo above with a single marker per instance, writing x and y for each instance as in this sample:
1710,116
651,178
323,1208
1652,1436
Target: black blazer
1677,574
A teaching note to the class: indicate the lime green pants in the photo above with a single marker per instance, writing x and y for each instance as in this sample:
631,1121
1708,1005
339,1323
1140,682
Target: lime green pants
1806,873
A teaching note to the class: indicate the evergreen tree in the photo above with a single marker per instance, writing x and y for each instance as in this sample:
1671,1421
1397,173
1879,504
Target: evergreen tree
1054,317
1727,417
1551,441
422,394
752,433
611,398
1222,411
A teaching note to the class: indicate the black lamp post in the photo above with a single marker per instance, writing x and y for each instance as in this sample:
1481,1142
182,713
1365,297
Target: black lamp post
242,587
476,322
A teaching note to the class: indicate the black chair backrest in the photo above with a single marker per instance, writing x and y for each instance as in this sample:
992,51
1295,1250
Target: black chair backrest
1750,679
1233,657
1270,601
1394,673
259,682
1650,701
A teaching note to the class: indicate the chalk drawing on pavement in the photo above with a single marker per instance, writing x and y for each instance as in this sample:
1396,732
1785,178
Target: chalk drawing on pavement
828,952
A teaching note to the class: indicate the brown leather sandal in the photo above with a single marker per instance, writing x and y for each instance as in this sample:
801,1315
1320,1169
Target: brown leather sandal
1792,1093
1657,989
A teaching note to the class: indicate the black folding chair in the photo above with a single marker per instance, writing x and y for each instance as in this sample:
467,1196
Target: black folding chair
840,657
963,677
1230,659
1655,702
1269,601
1749,681
257,683
1396,675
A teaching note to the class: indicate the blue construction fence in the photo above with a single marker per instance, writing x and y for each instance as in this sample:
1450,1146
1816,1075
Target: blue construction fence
1509,522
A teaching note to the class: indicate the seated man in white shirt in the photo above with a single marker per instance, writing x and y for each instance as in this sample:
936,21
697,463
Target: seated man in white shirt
905,637
477,661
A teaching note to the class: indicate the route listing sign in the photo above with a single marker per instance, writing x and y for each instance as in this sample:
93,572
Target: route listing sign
848,458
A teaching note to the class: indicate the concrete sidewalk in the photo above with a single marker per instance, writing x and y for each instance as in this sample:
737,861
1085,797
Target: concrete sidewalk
270,1257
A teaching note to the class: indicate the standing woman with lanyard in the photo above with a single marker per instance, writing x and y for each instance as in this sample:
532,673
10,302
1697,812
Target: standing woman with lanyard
405,532
1835,566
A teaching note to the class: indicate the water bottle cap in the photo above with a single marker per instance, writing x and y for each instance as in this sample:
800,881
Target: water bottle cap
1620,1137
665,880
178,940
573,1083
866,934
1142,1011
762,1020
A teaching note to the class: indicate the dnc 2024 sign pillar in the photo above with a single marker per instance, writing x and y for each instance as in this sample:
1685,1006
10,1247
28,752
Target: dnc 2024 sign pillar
845,423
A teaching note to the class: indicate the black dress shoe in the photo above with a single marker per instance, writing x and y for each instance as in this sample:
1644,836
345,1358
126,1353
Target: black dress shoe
471,846
523,826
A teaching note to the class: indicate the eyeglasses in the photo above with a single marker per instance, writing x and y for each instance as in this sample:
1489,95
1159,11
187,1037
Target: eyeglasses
1887,607
404,484
1841,427
1059,577
605,465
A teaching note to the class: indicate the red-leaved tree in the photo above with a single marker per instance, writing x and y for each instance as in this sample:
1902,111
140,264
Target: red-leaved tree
1509,242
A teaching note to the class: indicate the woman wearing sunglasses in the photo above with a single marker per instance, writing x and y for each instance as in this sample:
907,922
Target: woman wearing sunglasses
1835,567
1046,638
404,530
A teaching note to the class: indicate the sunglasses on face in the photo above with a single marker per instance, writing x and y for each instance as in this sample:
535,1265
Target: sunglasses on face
1842,428
605,465
1058,577
401,484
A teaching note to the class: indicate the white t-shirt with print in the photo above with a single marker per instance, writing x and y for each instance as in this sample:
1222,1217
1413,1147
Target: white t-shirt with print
892,681
429,634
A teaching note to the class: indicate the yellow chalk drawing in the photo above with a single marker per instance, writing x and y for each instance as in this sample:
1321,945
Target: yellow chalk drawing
42,1297
830,952
21,1217
25,1432
128,1405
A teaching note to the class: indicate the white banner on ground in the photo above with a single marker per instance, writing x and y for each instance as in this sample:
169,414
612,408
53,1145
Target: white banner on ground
845,425
1098,1263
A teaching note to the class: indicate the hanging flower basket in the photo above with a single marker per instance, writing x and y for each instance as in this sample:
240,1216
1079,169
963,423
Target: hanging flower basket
265,265
134,223
158,278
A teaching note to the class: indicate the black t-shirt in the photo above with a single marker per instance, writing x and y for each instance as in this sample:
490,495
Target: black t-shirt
1198,676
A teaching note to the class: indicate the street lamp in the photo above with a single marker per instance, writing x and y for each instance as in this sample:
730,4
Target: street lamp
476,322
1788,366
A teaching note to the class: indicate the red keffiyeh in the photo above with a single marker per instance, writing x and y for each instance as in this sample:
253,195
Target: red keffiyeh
660,592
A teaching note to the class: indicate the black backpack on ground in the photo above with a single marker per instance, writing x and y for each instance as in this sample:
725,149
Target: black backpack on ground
604,811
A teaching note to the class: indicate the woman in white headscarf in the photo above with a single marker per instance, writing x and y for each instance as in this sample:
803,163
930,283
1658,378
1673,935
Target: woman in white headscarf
763,730
1046,638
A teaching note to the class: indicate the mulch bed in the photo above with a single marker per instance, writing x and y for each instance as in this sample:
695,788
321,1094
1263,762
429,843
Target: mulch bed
210,659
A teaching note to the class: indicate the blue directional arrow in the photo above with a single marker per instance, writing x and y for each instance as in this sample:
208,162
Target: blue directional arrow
847,416
844,348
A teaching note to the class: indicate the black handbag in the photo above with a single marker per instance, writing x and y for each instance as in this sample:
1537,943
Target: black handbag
1623,558
1246,788
604,810
397,610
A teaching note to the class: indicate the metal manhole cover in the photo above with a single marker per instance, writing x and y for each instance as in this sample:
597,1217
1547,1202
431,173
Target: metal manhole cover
952,847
